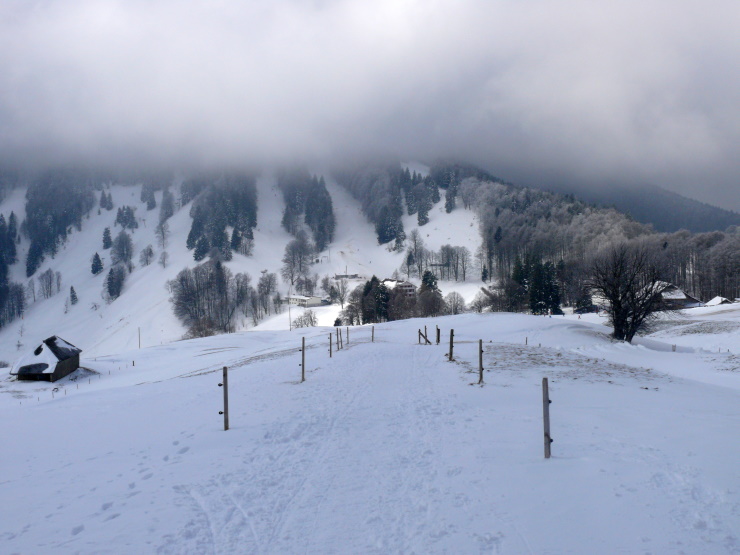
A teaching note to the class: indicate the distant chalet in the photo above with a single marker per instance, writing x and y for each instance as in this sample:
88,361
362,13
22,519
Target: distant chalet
408,288
305,302
675,298
53,359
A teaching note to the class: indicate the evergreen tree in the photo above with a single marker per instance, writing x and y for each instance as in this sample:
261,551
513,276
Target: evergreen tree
167,207
236,239
97,265
202,247
450,195
430,301
431,185
107,241
11,254
428,281
34,258
423,199
196,227
114,282
72,296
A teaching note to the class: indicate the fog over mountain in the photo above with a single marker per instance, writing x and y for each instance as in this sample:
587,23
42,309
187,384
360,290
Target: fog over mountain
540,92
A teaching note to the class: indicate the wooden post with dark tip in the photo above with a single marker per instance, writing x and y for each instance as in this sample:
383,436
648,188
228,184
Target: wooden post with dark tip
480,360
546,416
303,359
438,333
225,385
329,345
452,344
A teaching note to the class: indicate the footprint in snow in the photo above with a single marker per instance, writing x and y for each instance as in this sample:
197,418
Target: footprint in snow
77,529
183,450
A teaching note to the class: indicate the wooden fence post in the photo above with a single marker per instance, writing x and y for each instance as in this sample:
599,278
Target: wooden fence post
303,359
225,385
452,344
546,416
480,360
438,332
372,340
329,345
339,346
526,340
347,335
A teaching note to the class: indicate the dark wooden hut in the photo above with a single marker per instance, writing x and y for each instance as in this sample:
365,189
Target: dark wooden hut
53,359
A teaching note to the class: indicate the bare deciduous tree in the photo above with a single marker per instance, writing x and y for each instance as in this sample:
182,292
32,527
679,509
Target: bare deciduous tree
627,277
46,283
146,256
342,291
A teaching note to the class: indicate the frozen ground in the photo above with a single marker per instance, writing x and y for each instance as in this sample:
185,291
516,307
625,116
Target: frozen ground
387,447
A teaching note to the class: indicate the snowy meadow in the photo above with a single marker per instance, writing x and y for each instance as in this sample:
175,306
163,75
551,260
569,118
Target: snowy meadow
387,447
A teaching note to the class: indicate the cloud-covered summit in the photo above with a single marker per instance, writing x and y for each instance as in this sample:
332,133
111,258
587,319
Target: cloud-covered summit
538,92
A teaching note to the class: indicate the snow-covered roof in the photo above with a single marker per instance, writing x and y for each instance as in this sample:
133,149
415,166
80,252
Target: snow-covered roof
44,358
717,301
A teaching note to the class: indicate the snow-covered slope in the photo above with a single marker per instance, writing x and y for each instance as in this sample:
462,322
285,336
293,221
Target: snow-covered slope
387,447
143,311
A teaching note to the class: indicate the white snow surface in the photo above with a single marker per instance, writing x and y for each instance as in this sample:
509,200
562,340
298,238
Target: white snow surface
387,447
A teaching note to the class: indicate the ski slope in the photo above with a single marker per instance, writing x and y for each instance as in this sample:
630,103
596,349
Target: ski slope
143,311
387,447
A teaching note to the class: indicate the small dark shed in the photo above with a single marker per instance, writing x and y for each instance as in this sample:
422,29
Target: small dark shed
53,359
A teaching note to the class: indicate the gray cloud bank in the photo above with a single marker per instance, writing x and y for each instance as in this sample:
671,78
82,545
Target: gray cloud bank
594,93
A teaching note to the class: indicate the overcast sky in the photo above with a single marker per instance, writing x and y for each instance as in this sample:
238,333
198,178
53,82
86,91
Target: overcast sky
538,92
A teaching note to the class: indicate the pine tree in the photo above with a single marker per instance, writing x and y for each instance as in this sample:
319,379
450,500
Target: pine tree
72,296
97,265
196,228
202,247
167,207
107,240
114,282
450,198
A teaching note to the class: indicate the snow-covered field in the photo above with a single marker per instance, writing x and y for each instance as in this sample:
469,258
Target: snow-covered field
387,447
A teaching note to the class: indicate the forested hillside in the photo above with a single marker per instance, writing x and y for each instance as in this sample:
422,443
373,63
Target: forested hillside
532,250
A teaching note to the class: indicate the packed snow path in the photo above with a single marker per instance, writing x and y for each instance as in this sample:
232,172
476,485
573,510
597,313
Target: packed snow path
386,448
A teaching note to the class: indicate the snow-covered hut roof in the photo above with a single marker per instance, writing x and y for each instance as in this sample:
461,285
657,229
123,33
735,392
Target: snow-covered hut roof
48,354
717,301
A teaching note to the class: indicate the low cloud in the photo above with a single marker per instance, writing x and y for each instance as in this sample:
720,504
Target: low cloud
538,92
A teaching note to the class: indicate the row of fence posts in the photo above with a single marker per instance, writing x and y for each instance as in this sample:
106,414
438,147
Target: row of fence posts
545,390
339,346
